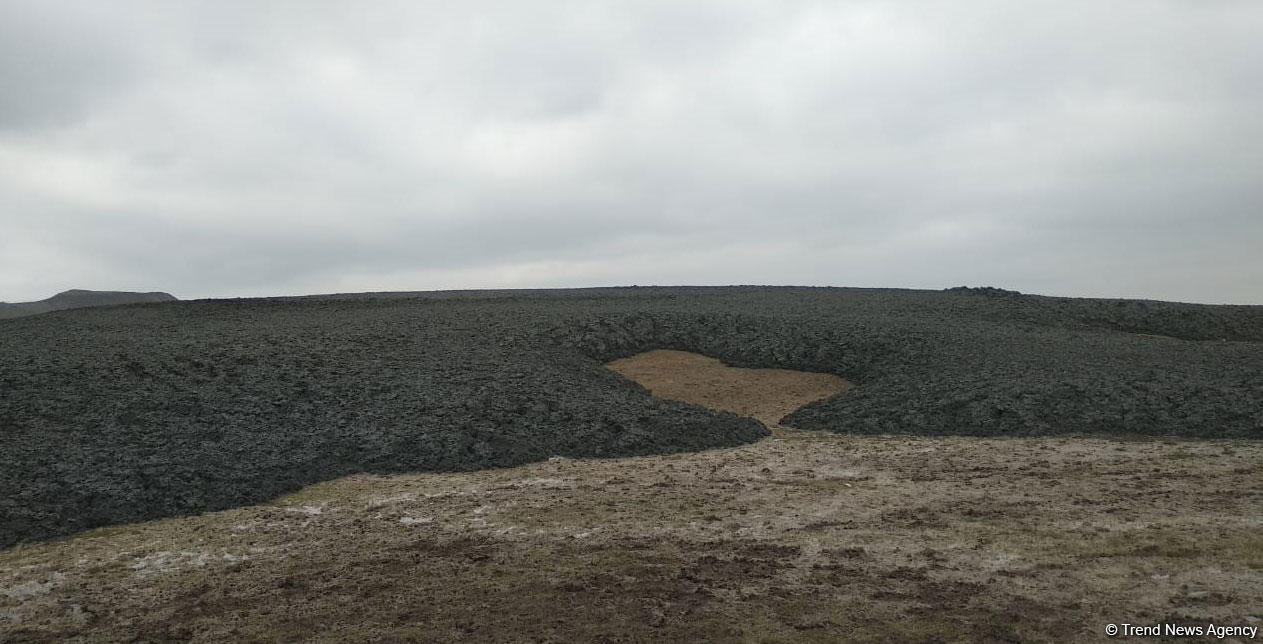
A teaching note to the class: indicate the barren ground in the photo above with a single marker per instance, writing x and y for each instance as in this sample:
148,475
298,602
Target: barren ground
802,537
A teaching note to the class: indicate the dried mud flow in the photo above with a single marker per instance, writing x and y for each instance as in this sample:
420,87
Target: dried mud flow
138,412
806,536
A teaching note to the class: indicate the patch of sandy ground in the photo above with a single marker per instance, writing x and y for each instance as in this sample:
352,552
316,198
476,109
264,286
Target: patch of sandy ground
766,395
800,537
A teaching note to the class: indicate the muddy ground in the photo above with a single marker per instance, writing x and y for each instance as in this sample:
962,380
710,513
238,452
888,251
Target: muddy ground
132,413
800,537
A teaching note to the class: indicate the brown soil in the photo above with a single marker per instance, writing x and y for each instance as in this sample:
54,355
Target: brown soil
801,537
767,395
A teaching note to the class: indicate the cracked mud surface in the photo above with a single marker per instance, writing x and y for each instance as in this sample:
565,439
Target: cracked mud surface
800,537
132,413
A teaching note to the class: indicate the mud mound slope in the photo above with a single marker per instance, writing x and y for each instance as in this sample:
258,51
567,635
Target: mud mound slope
119,414
78,298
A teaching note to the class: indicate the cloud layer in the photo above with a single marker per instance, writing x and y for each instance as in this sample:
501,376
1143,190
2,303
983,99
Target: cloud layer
236,148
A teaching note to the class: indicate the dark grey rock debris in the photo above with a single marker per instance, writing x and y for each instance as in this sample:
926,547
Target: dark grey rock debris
138,412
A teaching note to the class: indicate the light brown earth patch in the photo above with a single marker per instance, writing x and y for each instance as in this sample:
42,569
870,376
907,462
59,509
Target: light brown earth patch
807,537
767,395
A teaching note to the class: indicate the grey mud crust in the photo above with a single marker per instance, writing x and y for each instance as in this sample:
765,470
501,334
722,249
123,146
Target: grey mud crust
133,413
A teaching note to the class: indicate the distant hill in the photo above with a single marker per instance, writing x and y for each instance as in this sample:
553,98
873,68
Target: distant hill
77,299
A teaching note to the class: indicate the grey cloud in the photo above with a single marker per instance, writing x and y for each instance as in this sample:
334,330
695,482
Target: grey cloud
252,148
53,65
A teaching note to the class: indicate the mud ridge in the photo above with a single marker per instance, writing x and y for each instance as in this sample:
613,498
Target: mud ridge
138,412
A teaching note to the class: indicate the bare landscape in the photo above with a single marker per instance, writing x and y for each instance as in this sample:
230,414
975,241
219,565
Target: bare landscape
734,322
804,536
650,466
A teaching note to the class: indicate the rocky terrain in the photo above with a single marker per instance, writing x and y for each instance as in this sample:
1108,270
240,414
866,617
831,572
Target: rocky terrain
77,299
131,413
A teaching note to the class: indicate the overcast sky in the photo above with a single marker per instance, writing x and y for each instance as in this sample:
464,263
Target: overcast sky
246,148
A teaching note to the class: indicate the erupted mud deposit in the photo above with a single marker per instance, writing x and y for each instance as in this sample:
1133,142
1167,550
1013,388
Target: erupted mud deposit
132,413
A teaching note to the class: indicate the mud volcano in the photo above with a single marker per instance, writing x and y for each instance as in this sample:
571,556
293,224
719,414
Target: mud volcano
129,413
